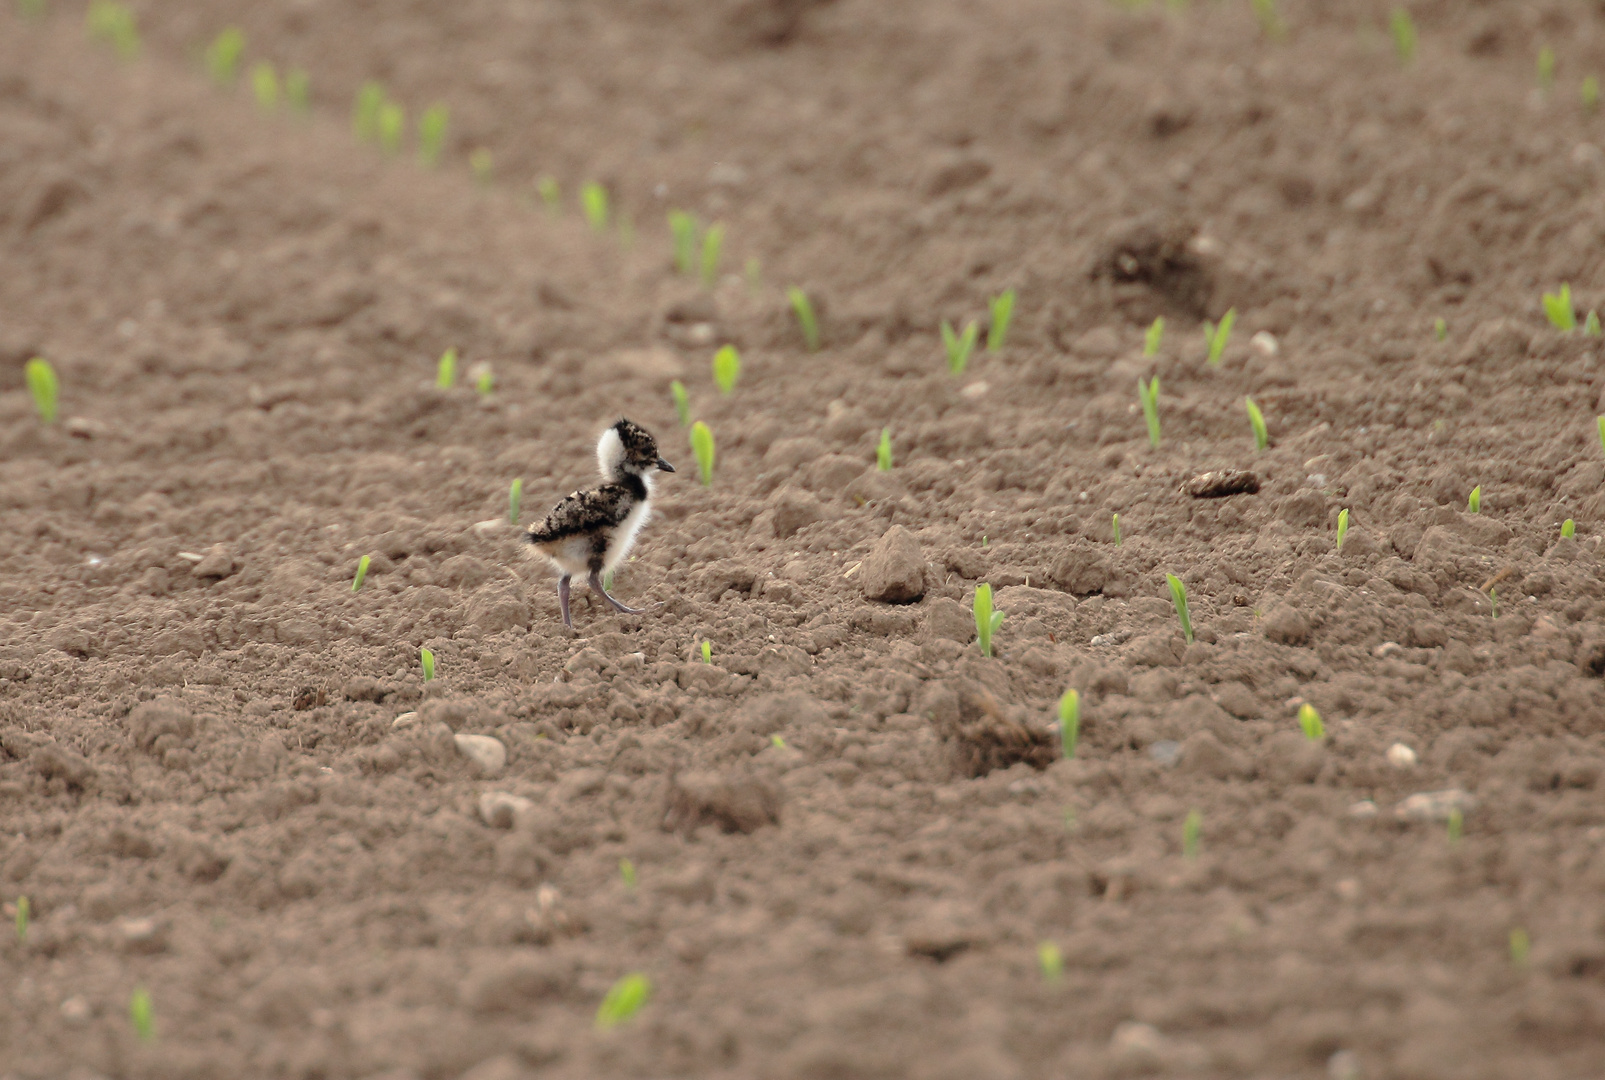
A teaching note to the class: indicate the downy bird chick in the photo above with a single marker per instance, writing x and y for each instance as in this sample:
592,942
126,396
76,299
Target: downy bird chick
591,531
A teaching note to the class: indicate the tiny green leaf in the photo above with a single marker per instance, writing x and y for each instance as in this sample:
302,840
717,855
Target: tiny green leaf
1493,602
726,369
1002,308
24,911
1219,335
1591,324
1601,421
1069,722
1558,309
959,346
1520,946
1440,329
1256,420
446,369
1404,34
298,91
1178,598
265,85
883,452
1457,825
627,872
485,381
1343,526
1114,521
362,573
712,245
551,194
45,389
607,581
1474,501
1309,722
1568,528
682,401
1148,394
1546,68
707,652
1050,962
593,201
223,55
141,1015
1191,828
113,23
1156,334
515,500
1590,92
427,660
623,1001
987,621
702,448
392,125
683,228
804,310
365,113
1270,20
432,133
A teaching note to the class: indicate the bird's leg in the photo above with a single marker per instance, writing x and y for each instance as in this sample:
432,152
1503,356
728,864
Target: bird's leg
596,587
562,600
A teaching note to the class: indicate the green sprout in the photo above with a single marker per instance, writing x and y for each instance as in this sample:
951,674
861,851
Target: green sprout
1309,722
804,309
712,246
627,872
1591,324
702,448
623,1001
707,652
362,573
1190,830
607,581
223,55
265,85
1568,529
1256,420
485,381
141,1015
515,500
1546,68
1440,329
1148,394
432,133
24,910
426,659
1178,597
45,388
1155,334
1493,602
1404,34
593,201
683,228
726,369
1218,335
1069,722
1457,825
959,346
446,369
1601,422
1558,307
987,621
551,194
480,163
1050,961
1114,521
31,9
365,113
777,742
1343,527
1590,92
1270,21
1474,501
298,91
883,451
682,401
1520,946
1002,307
392,125
113,23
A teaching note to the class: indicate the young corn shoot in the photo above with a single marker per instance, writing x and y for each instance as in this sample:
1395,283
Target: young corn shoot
1601,422
707,652
683,229
44,388
298,91
480,163
1050,962
1190,830
1309,722
1546,68
1256,420
682,402
1002,308
883,451
365,112
804,310
1457,825
223,55
1270,20
1148,394
1520,946
1558,309
626,998
959,346
1591,324
392,125
593,202
702,449
141,1015
712,246
1590,93
1178,597
551,194
1474,500
484,379
113,23
1069,722
426,660
515,500
627,873
265,85
24,910
361,574
1217,335
432,134
1440,329
1343,527
1404,34
1493,602
987,621
1114,522
726,369
1568,529
1155,334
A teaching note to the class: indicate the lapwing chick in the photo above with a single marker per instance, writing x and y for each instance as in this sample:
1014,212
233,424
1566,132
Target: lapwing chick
591,531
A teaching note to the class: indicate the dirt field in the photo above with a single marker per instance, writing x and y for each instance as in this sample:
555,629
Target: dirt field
840,849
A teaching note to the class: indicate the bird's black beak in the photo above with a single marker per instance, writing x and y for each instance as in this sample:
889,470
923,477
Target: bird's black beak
664,466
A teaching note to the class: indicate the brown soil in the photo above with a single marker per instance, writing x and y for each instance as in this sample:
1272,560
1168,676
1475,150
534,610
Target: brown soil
850,833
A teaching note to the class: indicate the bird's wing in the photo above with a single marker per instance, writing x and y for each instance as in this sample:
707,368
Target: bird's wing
583,512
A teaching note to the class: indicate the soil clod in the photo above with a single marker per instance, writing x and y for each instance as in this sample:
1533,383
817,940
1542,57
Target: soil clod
1221,483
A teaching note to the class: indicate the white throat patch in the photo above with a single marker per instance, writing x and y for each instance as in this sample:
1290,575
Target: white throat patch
610,455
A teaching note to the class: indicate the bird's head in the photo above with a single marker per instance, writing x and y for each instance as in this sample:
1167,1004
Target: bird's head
627,448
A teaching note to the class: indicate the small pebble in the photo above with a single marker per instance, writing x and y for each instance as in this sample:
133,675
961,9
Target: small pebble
1401,756
976,389
488,755
76,1010
1434,805
492,527
1365,808
1387,649
1264,343
405,720
1165,751
500,809
1115,637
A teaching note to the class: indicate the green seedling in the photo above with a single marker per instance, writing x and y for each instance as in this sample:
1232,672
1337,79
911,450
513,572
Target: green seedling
1404,34
683,228
392,126
45,388
607,581
883,452
1148,394
432,133
141,1015
551,194
1256,420
1156,334
362,573
1190,830
1217,335
1457,825
777,742
480,164
485,381
1069,722
806,321
1050,962
265,85
682,402
1178,597
627,872
1002,308
623,1001
707,652
1590,93
298,91
24,910
1309,722
113,23
223,55
365,112
1520,946
31,9
593,201
1546,68
1270,20
959,346
515,500
446,370
1601,422
1114,522
987,621
1568,529
726,369
702,448
1591,324
712,247
1493,602
1440,329
1558,308
426,660
1474,500
1343,527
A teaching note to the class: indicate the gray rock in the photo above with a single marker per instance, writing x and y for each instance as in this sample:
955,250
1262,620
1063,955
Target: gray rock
894,571
218,562
488,755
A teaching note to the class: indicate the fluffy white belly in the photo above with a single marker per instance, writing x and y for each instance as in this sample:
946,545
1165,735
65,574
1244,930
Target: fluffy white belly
624,536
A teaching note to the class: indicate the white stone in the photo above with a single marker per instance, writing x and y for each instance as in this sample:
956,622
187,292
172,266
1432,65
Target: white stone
405,720
1264,343
1434,805
1401,756
488,755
